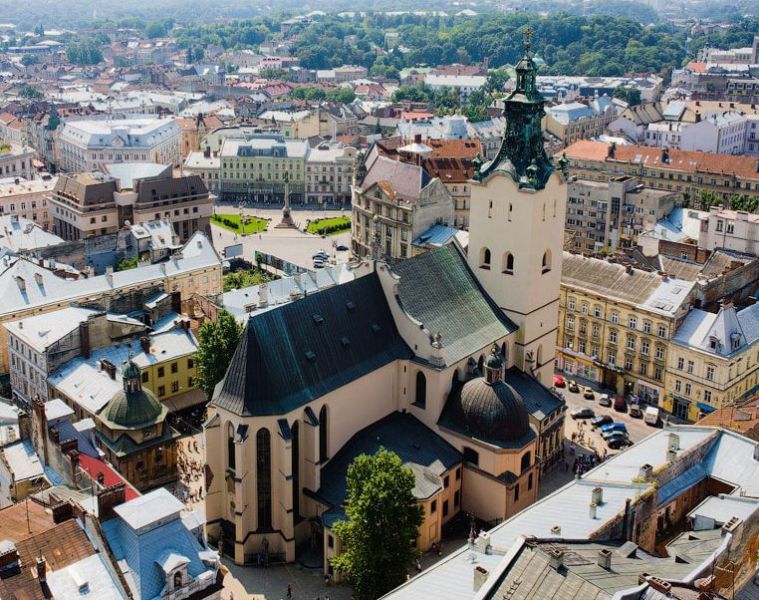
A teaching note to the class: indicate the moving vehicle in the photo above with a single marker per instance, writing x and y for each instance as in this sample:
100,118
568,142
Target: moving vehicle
582,413
604,400
617,441
619,404
588,394
651,416
342,248
573,387
601,420
559,381
616,426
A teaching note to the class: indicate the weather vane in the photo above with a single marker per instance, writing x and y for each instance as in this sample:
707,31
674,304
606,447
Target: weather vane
528,38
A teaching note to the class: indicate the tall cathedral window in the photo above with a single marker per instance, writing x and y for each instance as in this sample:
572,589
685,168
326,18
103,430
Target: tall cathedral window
323,434
546,265
485,258
231,447
420,398
508,263
263,478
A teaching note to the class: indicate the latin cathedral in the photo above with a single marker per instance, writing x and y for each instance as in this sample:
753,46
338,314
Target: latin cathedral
445,358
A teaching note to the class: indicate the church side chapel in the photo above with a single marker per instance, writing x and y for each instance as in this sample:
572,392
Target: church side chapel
445,358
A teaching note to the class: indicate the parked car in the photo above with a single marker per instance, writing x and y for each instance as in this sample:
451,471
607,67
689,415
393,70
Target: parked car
582,413
620,405
342,248
635,410
559,381
601,420
604,400
573,387
618,440
320,254
588,394
615,426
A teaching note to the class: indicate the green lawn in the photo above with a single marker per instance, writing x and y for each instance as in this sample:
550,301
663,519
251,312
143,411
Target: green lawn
241,279
231,221
329,226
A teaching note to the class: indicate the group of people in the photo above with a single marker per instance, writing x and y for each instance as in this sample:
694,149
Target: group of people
190,469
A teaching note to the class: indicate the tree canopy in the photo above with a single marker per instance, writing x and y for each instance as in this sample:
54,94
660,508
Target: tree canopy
84,52
217,341
382,525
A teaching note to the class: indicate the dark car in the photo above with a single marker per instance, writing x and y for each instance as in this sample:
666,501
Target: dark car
582,413
342,248
573,387
601,420
620,404
618,441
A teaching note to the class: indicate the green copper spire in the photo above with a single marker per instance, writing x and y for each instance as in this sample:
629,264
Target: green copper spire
522,154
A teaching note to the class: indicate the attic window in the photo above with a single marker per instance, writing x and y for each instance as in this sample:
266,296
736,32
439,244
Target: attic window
311,356
350,305
345,342
376,328
318,319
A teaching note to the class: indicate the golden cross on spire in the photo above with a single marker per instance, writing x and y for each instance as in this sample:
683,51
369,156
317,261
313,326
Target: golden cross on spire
528,38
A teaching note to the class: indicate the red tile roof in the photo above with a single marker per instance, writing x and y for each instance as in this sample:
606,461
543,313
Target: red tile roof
95,466
745,167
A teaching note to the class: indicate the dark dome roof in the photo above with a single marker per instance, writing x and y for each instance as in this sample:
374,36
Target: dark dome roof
493,411
133,408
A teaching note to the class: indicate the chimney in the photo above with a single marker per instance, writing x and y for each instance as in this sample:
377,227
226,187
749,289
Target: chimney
593,510
604,558
21,283
628,269
756,452
646,471
674,441
556,558
732,526
41,569
145,344
556,530
263,295
480,577
108,498
63,511
84,338
598,496
671,455
658,584
611,150
38,279
482,543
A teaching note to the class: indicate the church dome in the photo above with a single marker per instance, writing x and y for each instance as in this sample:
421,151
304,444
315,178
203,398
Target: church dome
132,406
493,411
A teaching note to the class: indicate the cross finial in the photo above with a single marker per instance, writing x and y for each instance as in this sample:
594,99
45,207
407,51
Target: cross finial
528,38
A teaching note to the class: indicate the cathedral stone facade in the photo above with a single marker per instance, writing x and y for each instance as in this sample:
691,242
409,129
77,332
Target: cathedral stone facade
444,358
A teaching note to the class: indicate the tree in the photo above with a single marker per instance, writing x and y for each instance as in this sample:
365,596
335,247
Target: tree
126,264
217,341
382,525
156,29
84,52
629,95
29,59
31,92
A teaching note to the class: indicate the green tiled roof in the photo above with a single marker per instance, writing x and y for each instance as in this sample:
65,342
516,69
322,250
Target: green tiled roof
438,289
300,351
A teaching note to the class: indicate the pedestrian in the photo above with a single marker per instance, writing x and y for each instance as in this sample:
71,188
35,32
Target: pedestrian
289,592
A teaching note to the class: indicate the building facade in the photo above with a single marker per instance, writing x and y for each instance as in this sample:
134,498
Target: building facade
713,361
734,230
86,145
616,323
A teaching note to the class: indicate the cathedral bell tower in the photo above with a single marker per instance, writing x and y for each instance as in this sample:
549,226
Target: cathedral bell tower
516,225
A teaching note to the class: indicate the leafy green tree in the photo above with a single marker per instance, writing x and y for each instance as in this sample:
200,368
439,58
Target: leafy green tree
217,341
382,525
341,95
629,95
155,29
31,92
126,264
84,52
29,59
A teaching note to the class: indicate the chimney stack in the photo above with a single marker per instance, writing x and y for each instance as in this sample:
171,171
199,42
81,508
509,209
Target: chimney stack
145,344
604,558
646,472
41,569
555,558
480,576
263,295
593,510
674,442
598,495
